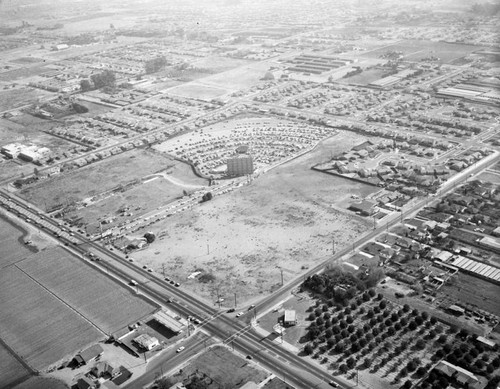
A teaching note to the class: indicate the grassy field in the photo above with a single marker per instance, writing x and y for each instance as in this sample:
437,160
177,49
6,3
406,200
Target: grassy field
223,368
11,370
197,91
415,50
240,78
490,177
92,294
14,98
39,327
219,64
95,179
12,249
147,196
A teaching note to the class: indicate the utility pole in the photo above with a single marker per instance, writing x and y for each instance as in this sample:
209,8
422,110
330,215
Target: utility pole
374,223
163,268
281,271
208,249
235,300
333,245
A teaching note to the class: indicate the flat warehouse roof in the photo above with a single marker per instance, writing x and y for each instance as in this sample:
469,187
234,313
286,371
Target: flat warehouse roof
168,321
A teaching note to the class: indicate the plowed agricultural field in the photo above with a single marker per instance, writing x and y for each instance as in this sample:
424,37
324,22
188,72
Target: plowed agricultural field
11,370
106,304
36,325
11,249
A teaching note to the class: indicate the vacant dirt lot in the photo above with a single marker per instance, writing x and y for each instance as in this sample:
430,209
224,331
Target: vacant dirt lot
96,178
222,367
285,218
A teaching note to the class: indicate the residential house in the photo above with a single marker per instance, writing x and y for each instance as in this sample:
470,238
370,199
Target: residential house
459,374
89,354
85,383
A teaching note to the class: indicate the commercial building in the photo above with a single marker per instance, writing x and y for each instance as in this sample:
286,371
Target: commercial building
146,342
167,321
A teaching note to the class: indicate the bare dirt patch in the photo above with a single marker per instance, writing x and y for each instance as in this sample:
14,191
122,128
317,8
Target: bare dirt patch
283,219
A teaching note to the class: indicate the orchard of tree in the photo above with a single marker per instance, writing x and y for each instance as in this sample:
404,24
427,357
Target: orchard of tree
155,65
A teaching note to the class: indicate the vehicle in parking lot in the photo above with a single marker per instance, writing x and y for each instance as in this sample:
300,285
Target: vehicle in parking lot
180,349
177,284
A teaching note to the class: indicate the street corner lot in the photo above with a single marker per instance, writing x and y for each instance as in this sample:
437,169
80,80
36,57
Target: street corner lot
222,368
76,185
301,304
283,218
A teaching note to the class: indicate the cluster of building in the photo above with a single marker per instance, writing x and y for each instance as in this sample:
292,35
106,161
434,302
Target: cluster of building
382,164
358,100
269,143
316,64
30,153
289,89
479,91
394,79
102,374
